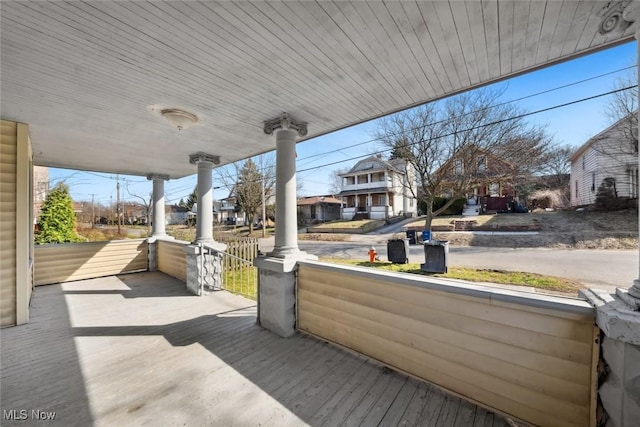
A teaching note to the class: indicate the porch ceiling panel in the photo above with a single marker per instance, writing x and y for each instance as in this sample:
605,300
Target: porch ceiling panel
86,76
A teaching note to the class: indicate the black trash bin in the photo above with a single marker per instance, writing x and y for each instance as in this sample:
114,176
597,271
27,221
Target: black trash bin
436,253
412,237
398,251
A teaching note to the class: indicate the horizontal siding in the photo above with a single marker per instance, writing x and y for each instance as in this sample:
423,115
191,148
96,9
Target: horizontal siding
172,259
8,159
77,261
532,363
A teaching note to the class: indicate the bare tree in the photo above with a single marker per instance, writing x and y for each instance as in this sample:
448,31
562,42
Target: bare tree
144,204
623,106
335,186
443,142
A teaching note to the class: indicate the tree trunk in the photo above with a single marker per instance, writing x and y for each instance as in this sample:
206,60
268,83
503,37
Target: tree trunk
429,219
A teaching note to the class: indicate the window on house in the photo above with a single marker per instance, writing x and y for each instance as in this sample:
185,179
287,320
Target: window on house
576,187
378,200
583,162
458,167
494,189
593,182
633,180
482,163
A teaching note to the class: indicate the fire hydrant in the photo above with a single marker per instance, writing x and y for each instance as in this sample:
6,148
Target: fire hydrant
372,254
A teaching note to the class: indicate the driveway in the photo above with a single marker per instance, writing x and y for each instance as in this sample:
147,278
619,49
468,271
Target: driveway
598,268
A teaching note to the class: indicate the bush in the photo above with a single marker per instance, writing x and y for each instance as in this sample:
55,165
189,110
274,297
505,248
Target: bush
607,196
548,199
57,221
455,209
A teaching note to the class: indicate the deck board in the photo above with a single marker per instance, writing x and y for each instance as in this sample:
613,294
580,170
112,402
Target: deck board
138,349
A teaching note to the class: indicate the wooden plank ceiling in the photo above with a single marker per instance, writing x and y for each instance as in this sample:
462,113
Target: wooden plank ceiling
87,76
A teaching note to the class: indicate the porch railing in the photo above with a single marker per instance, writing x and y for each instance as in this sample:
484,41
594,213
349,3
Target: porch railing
172,259
57,263
533,357
239,276
231,270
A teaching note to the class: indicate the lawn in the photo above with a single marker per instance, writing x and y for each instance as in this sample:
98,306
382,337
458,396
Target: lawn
538,281
362,224
241,281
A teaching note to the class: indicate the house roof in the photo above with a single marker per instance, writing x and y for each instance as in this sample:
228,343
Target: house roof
315,200
92,78
375,163
584,147
175,209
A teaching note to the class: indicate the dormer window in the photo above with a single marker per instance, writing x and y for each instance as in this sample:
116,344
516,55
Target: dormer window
482,163
458,166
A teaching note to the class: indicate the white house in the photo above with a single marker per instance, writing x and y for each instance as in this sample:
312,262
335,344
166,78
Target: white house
610,154
378,189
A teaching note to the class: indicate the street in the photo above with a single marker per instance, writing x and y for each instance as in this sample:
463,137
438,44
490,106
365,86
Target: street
605,268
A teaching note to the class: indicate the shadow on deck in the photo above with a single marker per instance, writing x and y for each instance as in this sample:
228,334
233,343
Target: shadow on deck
137,349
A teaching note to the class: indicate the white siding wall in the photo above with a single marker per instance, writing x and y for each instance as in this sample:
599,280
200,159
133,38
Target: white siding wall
608,156
16,219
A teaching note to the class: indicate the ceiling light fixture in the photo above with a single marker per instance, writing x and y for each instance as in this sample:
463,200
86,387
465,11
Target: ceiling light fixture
178,118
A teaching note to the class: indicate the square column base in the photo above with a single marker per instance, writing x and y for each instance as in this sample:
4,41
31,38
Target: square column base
277,297
619,389
204,268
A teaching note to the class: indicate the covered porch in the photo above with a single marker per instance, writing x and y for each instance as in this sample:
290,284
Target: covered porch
139,349
85,85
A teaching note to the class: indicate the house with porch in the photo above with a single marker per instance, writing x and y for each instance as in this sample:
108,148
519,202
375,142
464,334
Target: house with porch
197,85
377,189
613,153
315,209
488,178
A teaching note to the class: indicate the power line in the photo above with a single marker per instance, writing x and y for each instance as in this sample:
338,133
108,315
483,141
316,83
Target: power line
543,110
486,108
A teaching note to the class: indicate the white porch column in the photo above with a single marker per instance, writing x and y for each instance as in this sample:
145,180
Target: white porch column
204,221
286,239
276,270
204,256
158,227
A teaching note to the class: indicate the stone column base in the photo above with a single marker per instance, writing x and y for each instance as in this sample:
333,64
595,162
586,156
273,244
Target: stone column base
152,253
204,268
619,384
276,287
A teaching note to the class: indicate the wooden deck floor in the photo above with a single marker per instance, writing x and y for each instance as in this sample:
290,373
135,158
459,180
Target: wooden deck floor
138,350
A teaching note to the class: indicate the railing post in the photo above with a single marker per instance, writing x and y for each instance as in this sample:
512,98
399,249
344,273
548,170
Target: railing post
200,281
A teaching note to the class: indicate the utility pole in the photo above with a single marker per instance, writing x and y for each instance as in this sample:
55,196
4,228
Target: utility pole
118,201
264,211
93,212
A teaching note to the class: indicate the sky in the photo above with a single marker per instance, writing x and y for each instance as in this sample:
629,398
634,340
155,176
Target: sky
571,125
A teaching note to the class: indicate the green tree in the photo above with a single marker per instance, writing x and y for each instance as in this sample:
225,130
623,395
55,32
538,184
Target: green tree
192,199
249,191
57,220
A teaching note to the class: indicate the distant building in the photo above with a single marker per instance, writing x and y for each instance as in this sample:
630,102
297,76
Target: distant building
377,189
175,214
40,189
609,154
316,209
